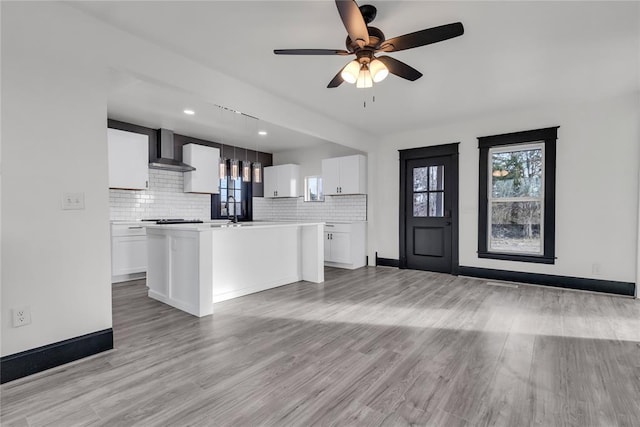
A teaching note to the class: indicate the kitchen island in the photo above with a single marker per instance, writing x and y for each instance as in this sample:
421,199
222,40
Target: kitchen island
192,266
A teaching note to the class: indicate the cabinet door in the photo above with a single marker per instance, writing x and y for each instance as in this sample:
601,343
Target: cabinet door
129,255
270,181
327,247
205,178
128,155
331,176
340,247
288,180
350,175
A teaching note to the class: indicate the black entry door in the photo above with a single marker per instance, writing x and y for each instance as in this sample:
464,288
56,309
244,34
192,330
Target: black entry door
429,212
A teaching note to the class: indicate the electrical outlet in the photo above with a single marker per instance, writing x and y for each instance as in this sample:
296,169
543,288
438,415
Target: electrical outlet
21,316
595,268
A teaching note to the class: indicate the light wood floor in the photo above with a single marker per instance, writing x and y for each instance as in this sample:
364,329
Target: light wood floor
375,346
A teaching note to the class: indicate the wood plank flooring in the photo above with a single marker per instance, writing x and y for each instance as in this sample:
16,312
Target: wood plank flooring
374,346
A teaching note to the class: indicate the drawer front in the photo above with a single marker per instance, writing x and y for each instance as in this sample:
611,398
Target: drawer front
118,230
337,227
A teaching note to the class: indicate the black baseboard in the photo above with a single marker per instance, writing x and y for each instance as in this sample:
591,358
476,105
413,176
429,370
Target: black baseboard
387,262
49,356
594,285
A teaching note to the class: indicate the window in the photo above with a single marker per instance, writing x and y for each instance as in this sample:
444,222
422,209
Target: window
231,187
313,189
516,219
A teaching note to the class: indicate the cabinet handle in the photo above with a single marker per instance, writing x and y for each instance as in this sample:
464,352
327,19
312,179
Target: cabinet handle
132,228
146,184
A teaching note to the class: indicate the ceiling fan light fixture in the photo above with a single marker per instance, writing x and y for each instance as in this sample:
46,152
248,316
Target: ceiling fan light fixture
378,70
364,78
350,72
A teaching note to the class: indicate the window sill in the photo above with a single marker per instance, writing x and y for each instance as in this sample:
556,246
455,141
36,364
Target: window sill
515,257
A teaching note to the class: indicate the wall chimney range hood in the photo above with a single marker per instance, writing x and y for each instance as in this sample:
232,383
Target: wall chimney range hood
165,160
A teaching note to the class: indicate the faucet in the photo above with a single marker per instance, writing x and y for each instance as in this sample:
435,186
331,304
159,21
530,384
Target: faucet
235,214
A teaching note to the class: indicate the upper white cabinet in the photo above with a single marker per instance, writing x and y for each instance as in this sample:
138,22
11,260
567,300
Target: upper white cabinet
128,159
282,181
205,178
345,175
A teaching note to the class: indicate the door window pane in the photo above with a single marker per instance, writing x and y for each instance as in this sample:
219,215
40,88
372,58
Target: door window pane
436,177
420,204
420,179
515,227
436,204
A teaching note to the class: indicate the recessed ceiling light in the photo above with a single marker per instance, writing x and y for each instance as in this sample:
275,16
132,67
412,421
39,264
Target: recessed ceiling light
262,132
189,112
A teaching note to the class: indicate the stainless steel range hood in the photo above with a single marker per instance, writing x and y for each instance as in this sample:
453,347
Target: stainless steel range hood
165,160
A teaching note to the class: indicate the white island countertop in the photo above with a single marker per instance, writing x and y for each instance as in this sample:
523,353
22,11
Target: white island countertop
192,266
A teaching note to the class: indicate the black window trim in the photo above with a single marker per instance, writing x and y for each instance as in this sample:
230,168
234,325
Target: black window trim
548,136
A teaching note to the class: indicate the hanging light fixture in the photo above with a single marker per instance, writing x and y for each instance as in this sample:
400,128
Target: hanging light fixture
246,168
364,78
350,72
257,171
378,70
234,166
222,164
256,166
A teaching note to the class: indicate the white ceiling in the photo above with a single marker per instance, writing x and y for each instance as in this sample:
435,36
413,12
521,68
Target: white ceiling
513,55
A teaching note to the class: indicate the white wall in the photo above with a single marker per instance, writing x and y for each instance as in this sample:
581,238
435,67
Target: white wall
596,184
53,141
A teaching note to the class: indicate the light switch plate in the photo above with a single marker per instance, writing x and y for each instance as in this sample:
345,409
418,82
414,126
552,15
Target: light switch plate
72,201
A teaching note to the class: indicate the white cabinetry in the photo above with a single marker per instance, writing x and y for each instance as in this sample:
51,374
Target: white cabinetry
128,251
345,244
205,178
282,181
128,159
344,175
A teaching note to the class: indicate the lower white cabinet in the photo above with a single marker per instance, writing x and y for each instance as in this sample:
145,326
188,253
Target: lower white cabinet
345,244
128,252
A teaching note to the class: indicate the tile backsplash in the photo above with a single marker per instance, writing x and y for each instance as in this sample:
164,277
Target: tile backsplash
164,199
334,208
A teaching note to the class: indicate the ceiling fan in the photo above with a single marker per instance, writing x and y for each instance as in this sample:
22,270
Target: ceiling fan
365,42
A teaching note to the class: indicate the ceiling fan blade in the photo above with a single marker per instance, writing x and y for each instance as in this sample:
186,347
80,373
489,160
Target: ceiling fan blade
311,52
353,21
422,38
337,80
400,69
